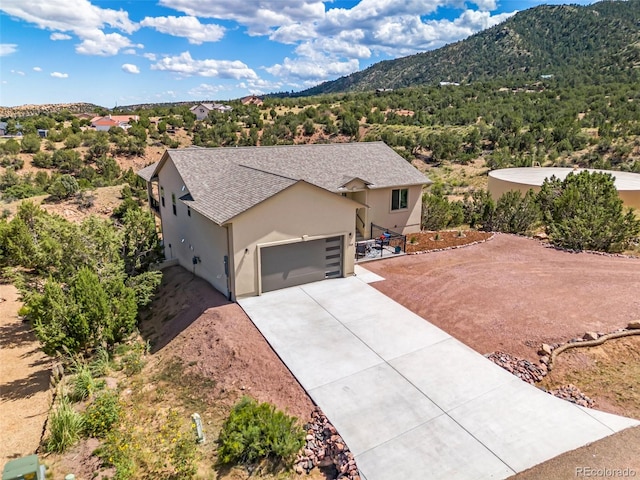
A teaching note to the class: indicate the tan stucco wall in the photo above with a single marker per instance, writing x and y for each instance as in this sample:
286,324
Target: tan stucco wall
302,209
498,187
402,221
202,238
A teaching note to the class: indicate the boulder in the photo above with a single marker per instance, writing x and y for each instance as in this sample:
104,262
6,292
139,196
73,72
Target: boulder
545,349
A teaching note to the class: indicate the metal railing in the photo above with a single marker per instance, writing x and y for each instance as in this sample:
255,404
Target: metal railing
382,240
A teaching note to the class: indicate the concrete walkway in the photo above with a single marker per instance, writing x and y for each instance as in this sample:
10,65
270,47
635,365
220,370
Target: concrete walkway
410,401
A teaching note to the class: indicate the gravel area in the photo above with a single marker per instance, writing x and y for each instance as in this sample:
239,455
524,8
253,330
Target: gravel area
513,293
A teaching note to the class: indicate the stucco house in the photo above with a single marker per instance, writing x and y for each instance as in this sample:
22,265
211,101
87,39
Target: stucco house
201,111
103,124
255,219
251,100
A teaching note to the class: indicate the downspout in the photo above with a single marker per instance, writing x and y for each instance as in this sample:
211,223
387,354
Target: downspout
228,263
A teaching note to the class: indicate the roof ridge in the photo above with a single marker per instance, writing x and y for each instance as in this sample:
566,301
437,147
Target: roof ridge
267,171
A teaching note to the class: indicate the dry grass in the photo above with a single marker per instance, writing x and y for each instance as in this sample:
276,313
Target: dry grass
608,373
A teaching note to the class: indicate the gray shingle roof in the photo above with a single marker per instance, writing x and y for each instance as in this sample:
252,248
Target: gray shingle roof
225,182
148,171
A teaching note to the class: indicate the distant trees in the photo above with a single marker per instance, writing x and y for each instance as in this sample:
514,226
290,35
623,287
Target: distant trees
63,187
30,143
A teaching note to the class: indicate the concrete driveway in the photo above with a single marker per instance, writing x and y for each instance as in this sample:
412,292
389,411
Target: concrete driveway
411,401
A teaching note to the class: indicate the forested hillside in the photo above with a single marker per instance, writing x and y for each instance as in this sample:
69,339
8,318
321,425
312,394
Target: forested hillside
484,125
576,44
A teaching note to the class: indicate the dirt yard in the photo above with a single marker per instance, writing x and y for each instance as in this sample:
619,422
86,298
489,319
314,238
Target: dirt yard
513,293
215,339
548,296
24,381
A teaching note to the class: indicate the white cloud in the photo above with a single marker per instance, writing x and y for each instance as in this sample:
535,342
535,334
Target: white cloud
186,66
260,86
311,70
18,72
150,56
129,51
8,49
37,69
168,93
59,36
79,17
103,44
187,27
130,68
59,75
330,40
205,90
486,5
259,16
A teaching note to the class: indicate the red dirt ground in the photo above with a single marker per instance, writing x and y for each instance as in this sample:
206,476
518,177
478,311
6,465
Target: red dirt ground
514,293
547,295
215,339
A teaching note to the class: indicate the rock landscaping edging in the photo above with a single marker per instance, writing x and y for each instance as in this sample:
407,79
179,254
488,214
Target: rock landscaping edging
533,373
523,369
325,447
452,247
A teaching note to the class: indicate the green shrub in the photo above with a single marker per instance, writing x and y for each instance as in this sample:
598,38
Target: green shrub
117,451
132,357
438,212
83,385
516,213
101,363
479,210
585,212
184,457
65,426
254,432
102,415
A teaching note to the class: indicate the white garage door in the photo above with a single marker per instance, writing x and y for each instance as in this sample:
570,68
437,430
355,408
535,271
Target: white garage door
302,262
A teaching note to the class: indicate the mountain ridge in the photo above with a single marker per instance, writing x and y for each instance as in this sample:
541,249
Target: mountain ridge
579,44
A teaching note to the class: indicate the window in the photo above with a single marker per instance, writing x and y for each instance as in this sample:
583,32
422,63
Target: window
189,211
173,203
162,195
399,198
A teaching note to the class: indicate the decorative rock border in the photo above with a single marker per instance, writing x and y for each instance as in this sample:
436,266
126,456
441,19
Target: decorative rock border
532,373
325,447
590,252
453,247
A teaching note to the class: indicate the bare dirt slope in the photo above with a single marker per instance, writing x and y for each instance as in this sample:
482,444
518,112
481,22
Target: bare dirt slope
513,293
24,381
215,339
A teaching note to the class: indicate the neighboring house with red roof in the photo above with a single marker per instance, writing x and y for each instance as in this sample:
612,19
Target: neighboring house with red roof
255,219
103,124
251,100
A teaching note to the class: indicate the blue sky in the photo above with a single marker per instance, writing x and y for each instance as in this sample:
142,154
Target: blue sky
112,52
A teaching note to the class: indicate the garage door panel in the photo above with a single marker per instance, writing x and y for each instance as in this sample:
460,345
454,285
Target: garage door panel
299,263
